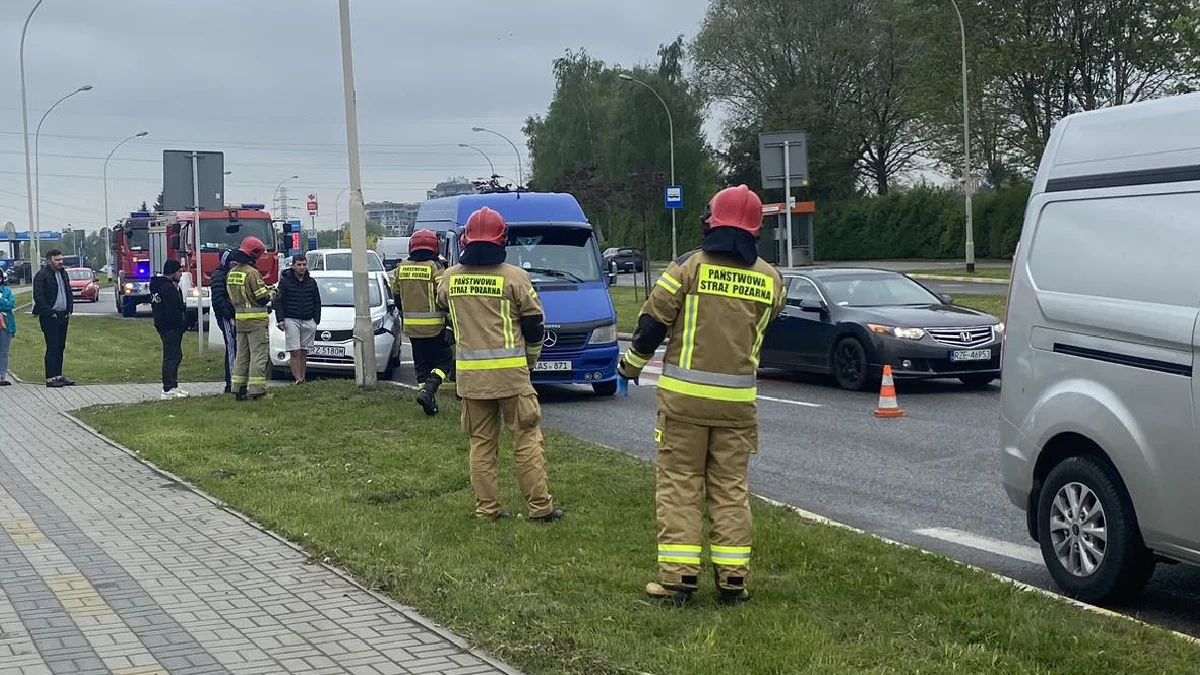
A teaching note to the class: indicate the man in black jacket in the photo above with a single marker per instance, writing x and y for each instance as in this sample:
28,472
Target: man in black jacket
222,308
298,311
170,319
53,304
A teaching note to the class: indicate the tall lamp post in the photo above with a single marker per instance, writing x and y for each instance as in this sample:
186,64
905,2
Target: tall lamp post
485,156
36,249
364,338
37,176
107,224
520,171
967,187
337,224
671,128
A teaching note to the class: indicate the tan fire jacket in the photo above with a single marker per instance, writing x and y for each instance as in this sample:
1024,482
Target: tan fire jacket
250,296
716,313
415,285
496,316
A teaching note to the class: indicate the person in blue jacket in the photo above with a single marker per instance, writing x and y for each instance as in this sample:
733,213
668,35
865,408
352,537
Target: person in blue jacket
8,325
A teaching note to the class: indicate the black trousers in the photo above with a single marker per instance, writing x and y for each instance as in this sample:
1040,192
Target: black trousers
54,330
430,353
172,346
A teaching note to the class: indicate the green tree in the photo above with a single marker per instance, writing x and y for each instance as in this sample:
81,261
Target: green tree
605,140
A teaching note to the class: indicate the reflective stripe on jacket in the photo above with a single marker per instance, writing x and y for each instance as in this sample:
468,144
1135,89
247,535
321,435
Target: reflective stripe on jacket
486,305
717,312
250,297
415,286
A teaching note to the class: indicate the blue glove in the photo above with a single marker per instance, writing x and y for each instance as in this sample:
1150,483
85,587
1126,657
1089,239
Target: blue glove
623,384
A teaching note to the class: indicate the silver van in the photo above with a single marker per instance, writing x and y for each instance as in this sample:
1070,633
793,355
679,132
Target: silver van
1099,405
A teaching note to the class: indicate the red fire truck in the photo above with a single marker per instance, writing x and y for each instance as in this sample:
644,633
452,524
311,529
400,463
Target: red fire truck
220,231
140,246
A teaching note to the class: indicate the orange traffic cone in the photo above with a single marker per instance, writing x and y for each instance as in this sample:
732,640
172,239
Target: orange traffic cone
887,397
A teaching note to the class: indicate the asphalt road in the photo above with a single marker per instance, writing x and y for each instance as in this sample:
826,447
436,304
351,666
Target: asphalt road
930,478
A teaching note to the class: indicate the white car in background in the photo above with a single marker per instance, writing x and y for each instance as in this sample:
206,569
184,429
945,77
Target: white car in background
334,347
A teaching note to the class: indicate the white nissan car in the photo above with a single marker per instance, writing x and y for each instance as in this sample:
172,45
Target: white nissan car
333,350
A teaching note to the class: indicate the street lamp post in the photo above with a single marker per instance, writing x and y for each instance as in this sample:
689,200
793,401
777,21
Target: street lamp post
520,171
967,187
36,249
671,129
485,156
337,223
37,175
364,338
107,224
275,195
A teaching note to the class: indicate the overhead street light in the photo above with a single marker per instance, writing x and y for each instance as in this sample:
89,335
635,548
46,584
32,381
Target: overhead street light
520,171
485,156
37,189
967,186
671,129
35,249
107,224
275,195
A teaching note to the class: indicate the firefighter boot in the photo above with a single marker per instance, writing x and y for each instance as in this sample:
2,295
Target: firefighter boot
733,592
427,395
671,593
240,394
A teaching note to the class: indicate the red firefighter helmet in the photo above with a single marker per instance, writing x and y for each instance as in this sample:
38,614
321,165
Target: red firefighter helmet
423,240
486,225
253,247
738,207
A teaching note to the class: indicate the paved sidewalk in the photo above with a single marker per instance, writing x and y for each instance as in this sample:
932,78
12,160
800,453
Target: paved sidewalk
107,566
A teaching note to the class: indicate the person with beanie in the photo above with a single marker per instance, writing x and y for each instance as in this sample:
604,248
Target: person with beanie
170,320
222,308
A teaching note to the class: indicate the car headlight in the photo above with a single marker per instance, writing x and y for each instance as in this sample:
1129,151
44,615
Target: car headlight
902,333
999,328
604,335
128,288
377,325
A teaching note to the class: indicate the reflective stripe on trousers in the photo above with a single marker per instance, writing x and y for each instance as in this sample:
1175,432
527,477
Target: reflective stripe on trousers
714,386
424,318
490,359
685,554
731,556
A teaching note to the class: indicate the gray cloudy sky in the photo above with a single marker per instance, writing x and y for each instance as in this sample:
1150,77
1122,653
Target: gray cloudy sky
261,80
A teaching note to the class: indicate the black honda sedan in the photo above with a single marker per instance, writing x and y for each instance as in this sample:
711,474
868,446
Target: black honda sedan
850,322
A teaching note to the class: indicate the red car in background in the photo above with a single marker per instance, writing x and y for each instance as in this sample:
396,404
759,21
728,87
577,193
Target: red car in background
83,284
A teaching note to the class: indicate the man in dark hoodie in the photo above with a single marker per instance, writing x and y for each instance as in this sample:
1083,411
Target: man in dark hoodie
223,309
715,303
170,320
298,311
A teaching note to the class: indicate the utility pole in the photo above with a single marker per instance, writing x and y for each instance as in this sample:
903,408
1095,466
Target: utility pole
283,203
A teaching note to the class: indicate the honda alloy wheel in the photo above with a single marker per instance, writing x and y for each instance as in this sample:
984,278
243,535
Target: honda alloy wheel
850,364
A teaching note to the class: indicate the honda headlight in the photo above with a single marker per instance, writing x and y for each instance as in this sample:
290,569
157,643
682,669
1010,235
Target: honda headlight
999,328
377,325
604,335
902,333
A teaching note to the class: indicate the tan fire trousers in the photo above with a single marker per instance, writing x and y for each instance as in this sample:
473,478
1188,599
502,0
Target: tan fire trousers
695,462
481,424
250,364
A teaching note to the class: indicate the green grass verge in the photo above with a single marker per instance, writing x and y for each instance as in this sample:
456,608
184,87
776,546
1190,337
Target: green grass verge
628,302
992,304
110,350
980,272
367,480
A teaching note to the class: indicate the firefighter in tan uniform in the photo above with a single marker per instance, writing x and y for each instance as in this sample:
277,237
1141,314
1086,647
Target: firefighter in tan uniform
250,297
497,321
715,303
414,283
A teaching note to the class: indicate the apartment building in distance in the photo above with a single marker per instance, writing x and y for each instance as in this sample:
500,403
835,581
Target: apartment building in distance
398,218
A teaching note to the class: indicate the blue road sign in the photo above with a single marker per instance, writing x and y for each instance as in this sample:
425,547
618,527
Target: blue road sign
673,196
312,242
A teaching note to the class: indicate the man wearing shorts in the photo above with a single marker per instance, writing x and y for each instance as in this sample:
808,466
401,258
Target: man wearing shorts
298,311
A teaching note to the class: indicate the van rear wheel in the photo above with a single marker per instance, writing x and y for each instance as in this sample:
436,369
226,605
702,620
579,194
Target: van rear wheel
1089,534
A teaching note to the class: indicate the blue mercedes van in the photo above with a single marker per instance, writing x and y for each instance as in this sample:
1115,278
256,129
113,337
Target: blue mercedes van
550,238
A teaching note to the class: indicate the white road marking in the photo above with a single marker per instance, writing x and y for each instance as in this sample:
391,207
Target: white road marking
1027,554
803,404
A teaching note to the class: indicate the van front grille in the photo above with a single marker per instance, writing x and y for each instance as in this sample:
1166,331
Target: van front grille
972,336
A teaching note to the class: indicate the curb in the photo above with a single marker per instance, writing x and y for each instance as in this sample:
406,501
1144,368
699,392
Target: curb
408,612
965,280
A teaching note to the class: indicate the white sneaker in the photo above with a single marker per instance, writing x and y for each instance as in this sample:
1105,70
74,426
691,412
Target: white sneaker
179,393
168,395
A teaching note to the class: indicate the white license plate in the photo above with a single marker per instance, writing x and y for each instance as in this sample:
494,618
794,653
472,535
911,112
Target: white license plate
325,350
554,366
972,355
